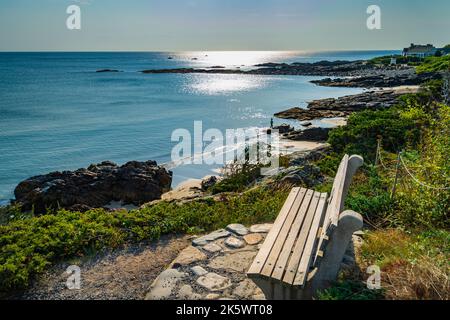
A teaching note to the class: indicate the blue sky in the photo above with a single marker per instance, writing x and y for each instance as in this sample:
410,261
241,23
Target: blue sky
175,25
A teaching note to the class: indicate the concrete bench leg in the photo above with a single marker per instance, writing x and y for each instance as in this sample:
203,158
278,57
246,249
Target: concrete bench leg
349,222
275,290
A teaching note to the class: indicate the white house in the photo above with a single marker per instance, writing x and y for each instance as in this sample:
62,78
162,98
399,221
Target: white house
421,51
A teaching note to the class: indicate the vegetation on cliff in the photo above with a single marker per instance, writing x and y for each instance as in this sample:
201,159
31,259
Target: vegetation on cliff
30,244
428,64
409,234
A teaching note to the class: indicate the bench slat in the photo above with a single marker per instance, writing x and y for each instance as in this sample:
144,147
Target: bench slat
297,226
280,241
261,257
335,202
298,250
311,243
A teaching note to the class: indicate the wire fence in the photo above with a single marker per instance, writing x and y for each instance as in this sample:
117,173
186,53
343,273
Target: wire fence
396,165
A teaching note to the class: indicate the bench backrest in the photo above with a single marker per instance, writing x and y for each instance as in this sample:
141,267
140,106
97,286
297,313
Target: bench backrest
342,180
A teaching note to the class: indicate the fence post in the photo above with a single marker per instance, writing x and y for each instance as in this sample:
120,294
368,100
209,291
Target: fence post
397,167
378,150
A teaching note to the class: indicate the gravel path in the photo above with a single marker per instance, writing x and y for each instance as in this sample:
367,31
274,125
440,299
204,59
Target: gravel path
124,273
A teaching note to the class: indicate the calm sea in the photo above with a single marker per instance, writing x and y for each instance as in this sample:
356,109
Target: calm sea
57,113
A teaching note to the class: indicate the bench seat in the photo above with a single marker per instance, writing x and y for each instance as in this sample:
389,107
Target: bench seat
300,239
287,252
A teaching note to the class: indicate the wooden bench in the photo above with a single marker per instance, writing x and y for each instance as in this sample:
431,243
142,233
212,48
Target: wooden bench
305,247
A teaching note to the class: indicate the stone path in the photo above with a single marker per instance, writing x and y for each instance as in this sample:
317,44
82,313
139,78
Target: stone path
213,267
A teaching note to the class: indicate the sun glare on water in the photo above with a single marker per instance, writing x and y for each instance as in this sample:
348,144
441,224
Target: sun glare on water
214,84
233,59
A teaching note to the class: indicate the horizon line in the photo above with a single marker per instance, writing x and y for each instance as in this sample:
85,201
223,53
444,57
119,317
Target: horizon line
184,51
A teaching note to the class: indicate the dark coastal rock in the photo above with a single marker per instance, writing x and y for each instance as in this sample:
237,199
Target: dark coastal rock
310,134
107,70
283,128
308,114
343,106
208,183
361,73
381,80
132,183
192,70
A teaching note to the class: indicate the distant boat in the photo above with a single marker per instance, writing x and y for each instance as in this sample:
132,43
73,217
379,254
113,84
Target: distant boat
170,58
194,59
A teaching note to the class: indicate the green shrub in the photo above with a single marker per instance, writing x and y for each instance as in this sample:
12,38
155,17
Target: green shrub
427,202
360,134
369,195
385,60
237,181
28,246
434,64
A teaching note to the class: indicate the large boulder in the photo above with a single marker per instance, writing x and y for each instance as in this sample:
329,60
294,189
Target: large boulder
132,183
310,134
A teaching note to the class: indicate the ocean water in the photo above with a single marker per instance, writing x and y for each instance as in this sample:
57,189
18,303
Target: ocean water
57,113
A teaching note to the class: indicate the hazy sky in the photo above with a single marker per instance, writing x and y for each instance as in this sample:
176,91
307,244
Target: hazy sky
172,25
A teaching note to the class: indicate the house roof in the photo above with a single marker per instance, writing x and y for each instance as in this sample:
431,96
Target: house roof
420,48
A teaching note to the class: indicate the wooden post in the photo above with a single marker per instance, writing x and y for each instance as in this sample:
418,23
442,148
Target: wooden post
397,167
378,150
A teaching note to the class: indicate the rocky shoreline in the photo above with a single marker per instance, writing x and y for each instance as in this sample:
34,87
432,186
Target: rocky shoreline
361,74
382,80
344,106
322,68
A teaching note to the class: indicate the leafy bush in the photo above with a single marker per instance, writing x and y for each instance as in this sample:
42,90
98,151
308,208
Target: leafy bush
369,195
238,180
427,202
385,60
434,64
360,134
28,246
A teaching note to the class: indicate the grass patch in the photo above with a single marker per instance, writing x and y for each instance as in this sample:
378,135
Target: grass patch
350,290
414,265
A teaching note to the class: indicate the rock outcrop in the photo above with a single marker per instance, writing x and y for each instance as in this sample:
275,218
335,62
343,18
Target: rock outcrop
310,134
343,106
134,182
380,80
107,70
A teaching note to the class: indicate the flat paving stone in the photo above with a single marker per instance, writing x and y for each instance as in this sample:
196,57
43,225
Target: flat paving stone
163,286
253,238
261,228
199,270
234,242
187,293
237,262
201,241
212,247
189,255
238,229
214,282
246,289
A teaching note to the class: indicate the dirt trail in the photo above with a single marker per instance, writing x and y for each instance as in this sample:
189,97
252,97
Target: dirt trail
124,273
